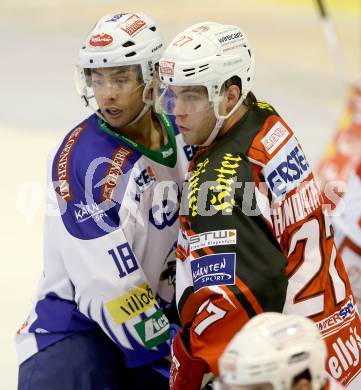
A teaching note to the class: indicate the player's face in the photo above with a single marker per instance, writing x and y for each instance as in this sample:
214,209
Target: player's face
118,92
194,114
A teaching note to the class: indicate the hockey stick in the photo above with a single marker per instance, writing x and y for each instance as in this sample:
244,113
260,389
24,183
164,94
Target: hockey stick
333,41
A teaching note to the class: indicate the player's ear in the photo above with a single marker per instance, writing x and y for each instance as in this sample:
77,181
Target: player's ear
232,95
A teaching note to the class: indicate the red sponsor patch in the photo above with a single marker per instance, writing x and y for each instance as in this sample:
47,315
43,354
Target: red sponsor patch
120,157
166,68
133,25
275,137
62,166
100,40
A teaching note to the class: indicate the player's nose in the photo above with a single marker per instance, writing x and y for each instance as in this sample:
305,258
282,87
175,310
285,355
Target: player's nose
109,92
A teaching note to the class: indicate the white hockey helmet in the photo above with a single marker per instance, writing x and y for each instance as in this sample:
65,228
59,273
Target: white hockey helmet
207,54
273,349
120,40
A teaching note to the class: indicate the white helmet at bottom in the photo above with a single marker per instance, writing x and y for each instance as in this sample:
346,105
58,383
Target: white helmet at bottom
272,349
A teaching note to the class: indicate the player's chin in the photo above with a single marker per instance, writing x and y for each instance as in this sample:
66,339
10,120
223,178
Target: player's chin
189,138
117,124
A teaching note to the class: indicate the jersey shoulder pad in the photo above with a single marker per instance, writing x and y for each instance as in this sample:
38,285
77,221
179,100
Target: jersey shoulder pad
90,172
280,157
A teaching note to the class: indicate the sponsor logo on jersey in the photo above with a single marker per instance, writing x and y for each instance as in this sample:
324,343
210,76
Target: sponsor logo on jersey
119,159
274,138
296,207
212,238
86,212
132,304
213,270
336,319
133,25
145,178
144,181
344,354
62,165
222,193
226,177
166,68
347,310
287,169
167,153
192,194
100,40
154,330
116,17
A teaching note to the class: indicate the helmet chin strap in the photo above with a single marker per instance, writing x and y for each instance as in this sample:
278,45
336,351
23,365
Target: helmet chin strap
147,104
221,119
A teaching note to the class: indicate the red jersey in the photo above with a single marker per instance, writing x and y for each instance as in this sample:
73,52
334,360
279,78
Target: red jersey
254,238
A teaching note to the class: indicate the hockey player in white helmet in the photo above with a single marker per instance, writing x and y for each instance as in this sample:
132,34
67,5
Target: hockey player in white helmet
254,237
194,74
275,352
103,308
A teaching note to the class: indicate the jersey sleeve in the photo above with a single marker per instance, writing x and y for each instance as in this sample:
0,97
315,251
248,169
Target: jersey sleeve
94,238
229,265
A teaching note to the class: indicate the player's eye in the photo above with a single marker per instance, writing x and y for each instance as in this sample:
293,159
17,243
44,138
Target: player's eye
121,81
97,82
191,97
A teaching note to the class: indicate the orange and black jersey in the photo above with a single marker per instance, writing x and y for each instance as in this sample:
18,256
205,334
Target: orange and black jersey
254,238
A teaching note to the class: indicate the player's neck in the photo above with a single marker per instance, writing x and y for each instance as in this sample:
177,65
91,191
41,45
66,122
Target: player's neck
233,119
146,131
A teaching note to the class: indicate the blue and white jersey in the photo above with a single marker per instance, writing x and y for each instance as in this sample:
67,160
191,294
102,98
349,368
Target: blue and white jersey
110,231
